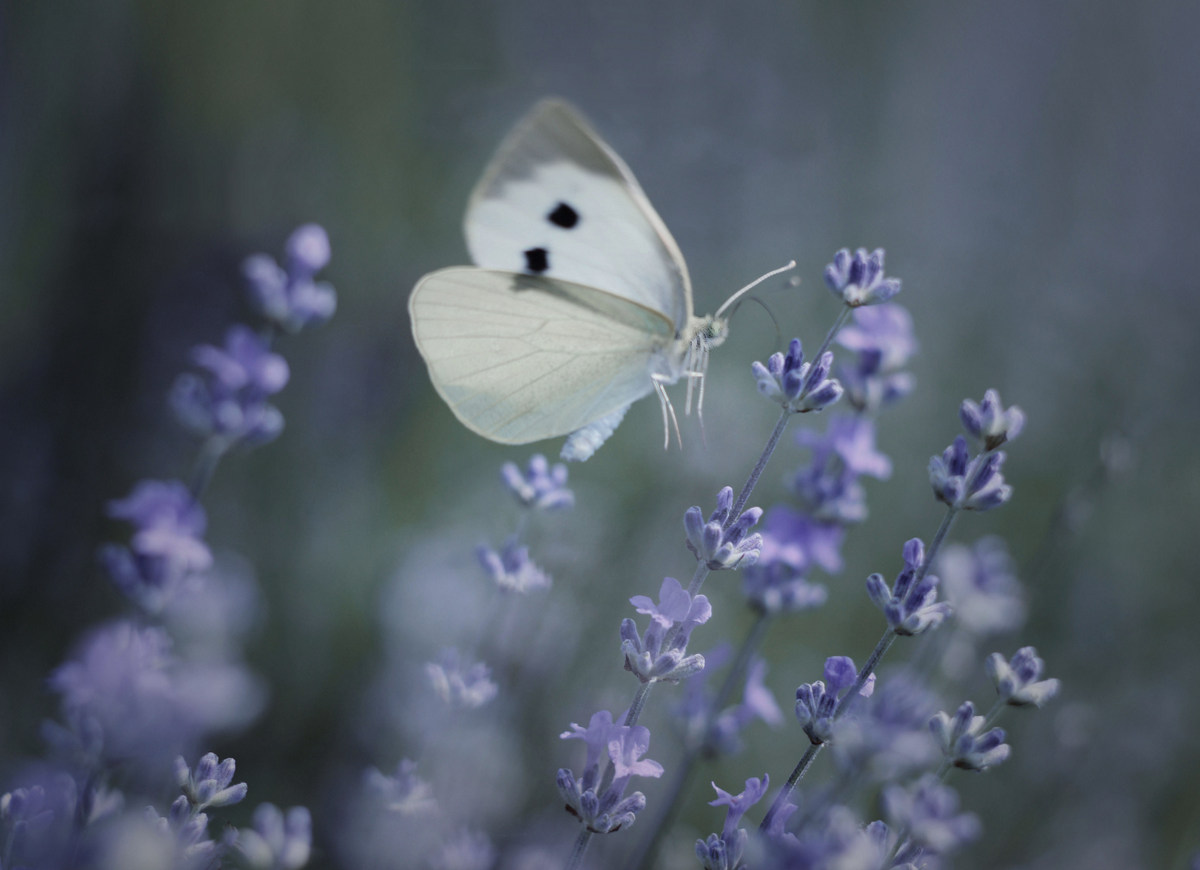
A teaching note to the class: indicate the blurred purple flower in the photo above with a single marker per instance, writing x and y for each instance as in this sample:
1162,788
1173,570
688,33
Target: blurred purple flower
290,298
403,792
230,402
167,547
460,682
882,338
511,569
143,702
887,736
928,811
1018,681
277,840
980,582
541,487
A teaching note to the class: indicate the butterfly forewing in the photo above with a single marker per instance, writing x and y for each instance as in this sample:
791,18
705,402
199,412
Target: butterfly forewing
520,358
557,202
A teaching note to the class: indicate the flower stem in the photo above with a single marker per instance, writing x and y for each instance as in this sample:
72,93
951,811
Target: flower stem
581,844
755,474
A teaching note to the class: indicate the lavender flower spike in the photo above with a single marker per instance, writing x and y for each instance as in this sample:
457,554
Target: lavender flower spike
817,703
208,783
795,385
720,543
1017,680
511,568
290,298
968,484
724,851
858,280
911,608
541,487
677,613
929,812
278,840
624,745
990,421
964,742
461,683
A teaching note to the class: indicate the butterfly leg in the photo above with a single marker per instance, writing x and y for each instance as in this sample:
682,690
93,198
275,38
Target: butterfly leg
668,410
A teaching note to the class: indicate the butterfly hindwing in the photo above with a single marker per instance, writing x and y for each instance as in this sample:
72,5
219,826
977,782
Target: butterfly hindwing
557,202
520,358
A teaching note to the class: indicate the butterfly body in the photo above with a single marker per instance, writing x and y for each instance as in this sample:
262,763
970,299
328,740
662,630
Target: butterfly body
578,305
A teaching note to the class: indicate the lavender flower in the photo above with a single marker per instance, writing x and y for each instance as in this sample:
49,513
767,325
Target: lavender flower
1018,680
817,703
724,851
511,569
127,692
963,741
882,338
722,542
724,734
289,297
990,421
835,839
208,784
624,745
278,840
459,682
911,607
968,484
186,831
403,792
928,812
541,487
795,385
671,623
829,487
230,403
167,546
858,280
887,736
980,583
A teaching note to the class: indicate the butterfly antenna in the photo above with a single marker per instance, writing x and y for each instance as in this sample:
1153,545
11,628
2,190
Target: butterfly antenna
791,264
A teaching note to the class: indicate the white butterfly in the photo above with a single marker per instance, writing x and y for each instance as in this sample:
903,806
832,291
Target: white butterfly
579,303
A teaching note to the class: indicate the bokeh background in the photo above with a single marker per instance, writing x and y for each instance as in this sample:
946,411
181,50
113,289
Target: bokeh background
1031,169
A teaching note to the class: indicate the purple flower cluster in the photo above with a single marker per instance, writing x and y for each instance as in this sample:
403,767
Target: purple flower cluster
817,703
975,483
795,385
857,279
723,542
287,295
135,698
605,809
660,655
228,402
910,605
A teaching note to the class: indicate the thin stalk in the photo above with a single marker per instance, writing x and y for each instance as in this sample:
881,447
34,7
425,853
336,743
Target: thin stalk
581,844
843,315
756,473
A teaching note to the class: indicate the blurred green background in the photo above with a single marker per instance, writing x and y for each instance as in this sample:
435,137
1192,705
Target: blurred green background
1031,169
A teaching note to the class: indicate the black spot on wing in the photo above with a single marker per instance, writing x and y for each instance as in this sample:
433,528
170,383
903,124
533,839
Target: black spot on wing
563,216
537,260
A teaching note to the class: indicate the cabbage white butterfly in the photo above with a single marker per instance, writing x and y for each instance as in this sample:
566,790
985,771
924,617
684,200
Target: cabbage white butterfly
579,303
